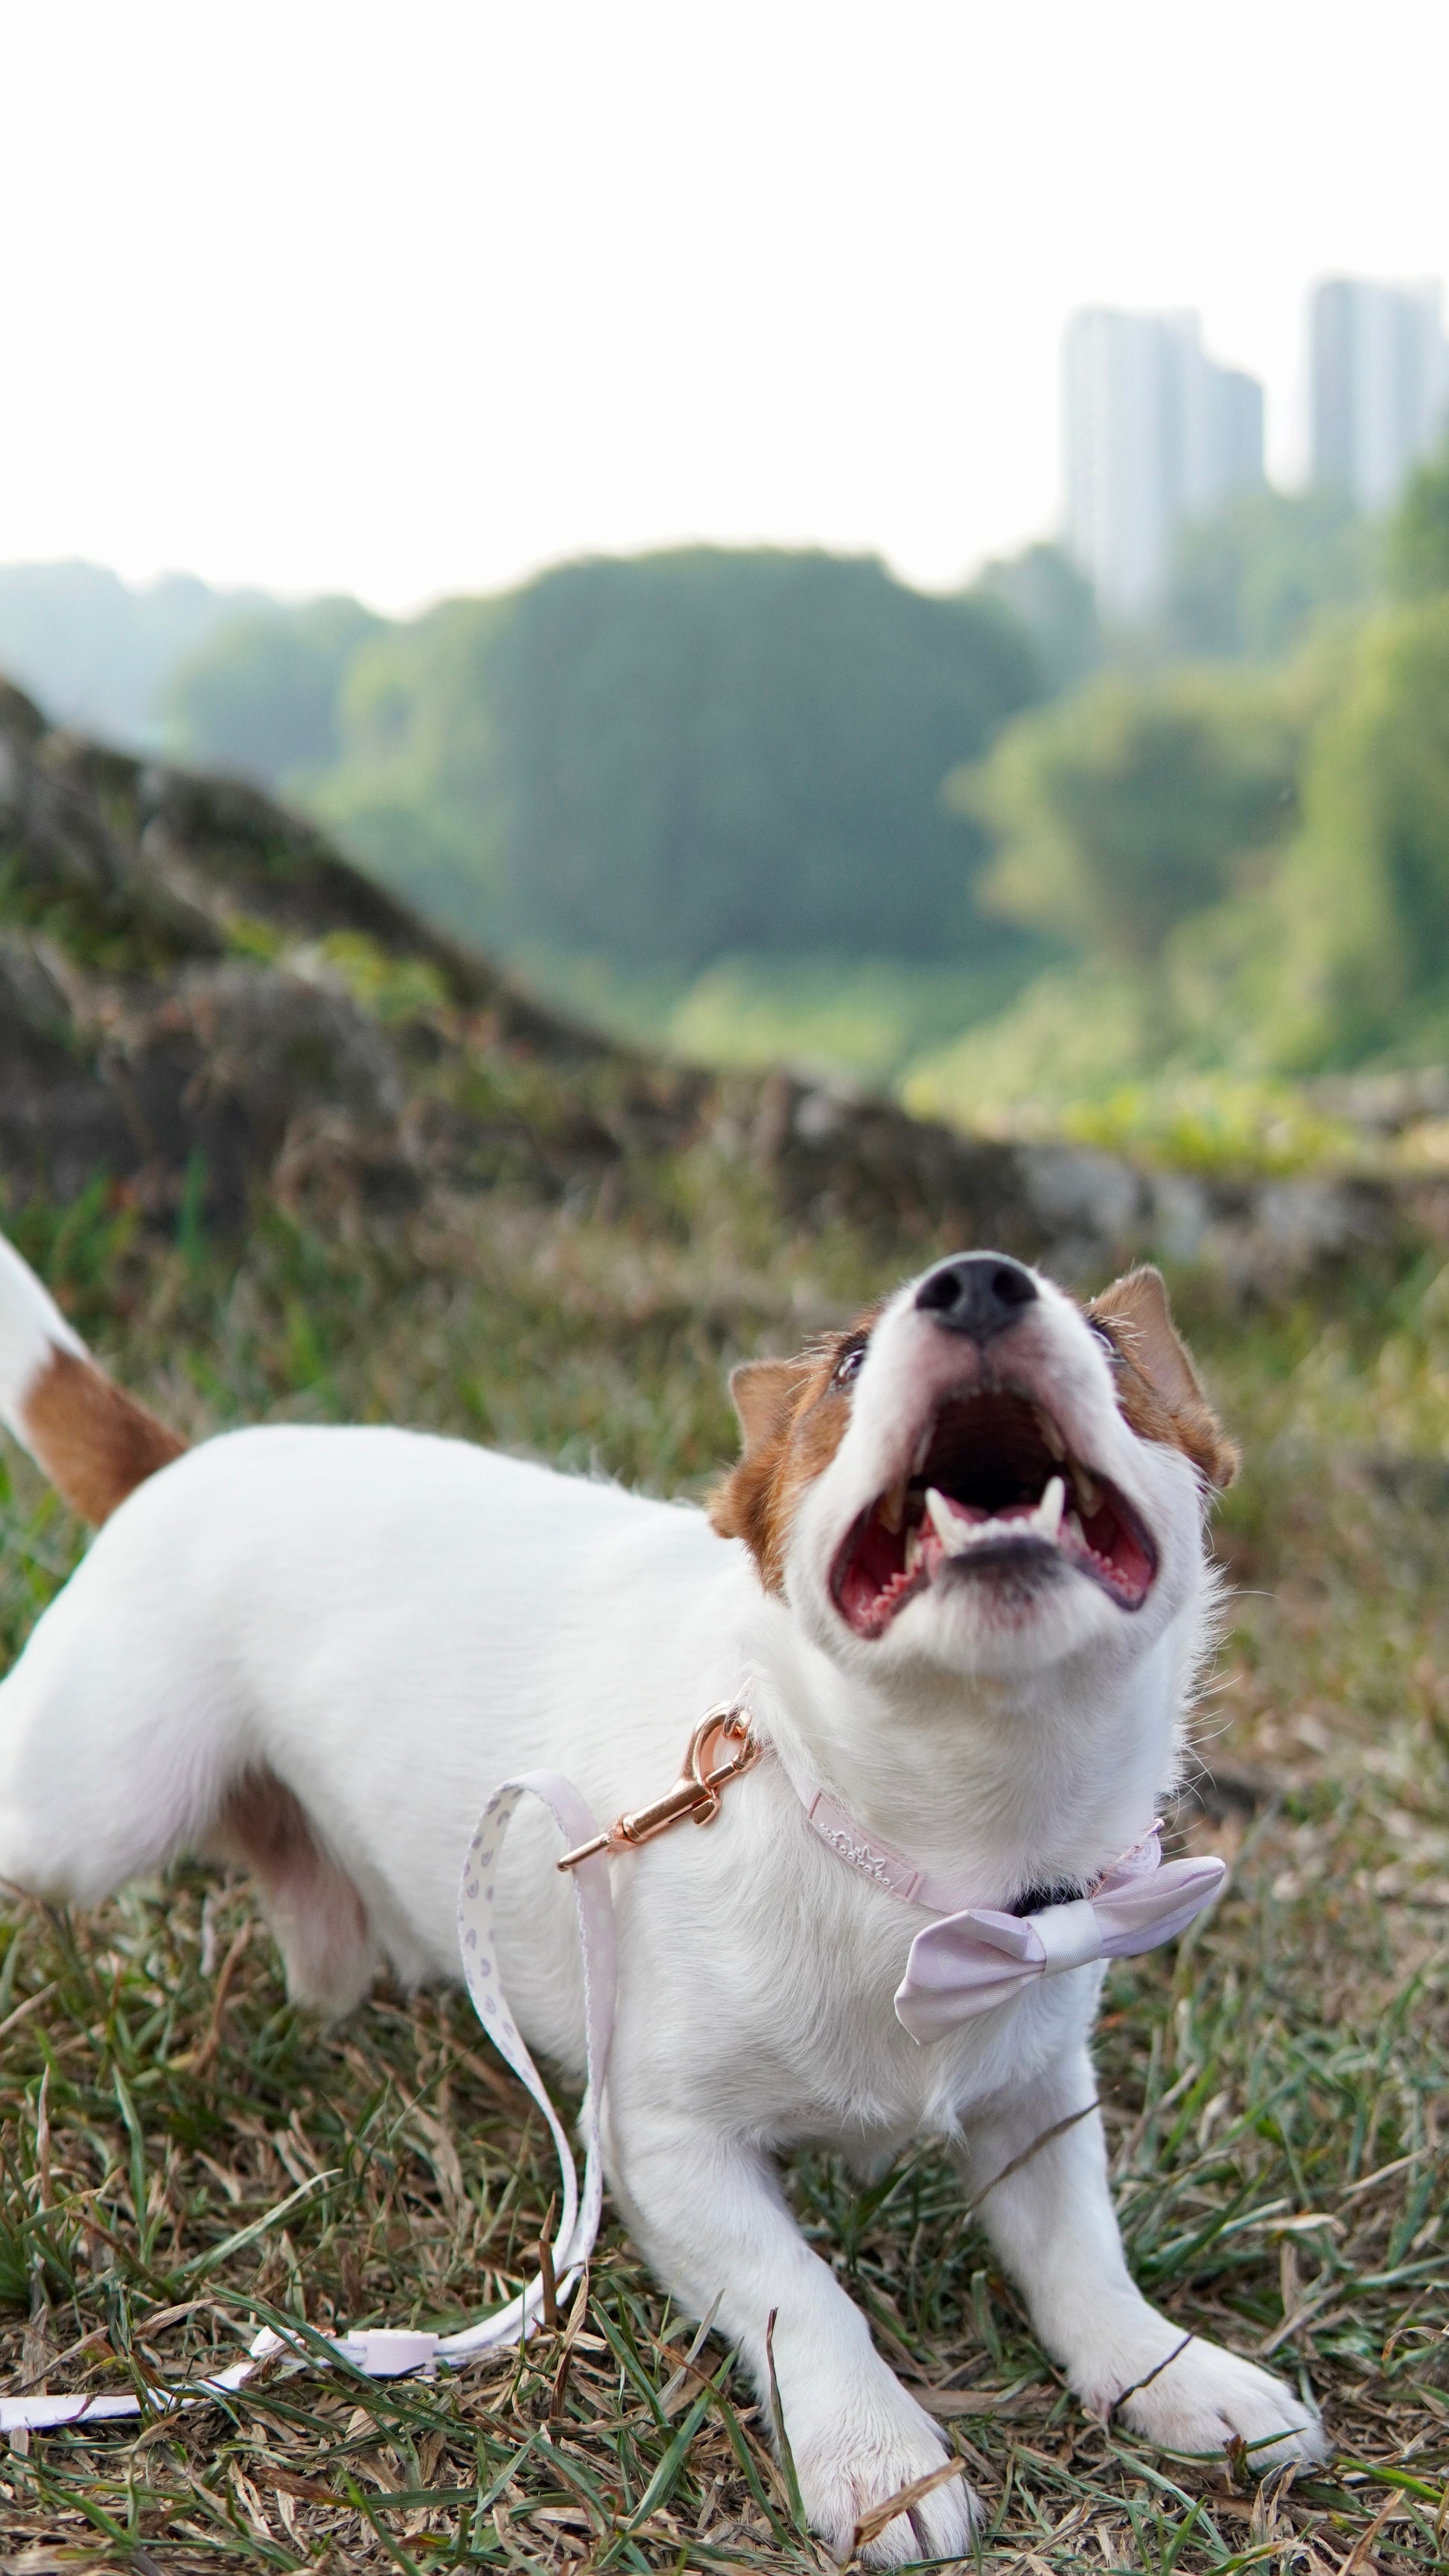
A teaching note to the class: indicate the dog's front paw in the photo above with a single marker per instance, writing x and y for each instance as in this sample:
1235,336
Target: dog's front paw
865,2452
1206,2398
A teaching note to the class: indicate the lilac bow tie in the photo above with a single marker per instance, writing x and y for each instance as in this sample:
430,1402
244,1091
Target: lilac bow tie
968,1963
975,1958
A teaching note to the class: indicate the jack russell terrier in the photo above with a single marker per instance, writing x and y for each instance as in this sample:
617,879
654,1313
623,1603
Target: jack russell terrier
958,1581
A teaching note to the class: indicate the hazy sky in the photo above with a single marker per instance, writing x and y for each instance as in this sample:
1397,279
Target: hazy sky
410,299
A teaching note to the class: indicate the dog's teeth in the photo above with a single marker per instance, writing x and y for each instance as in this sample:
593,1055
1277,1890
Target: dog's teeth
1049,1510
1089,1500
913,1550
893,1506
1072,1529
953,1534
1050,1433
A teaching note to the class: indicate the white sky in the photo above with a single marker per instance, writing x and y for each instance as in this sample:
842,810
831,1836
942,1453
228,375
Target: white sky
407,299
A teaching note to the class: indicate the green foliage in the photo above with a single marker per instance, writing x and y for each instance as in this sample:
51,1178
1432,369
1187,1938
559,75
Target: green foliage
851,1018
692,755
1362,903
1247,584
1255,867
699,798
1126,808
258,698
1221,1125
1419,533
98,655
1056,604
413,790
1076,1033
709,753
396,990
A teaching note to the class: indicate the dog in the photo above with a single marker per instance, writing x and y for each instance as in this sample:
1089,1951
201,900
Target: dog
957,1577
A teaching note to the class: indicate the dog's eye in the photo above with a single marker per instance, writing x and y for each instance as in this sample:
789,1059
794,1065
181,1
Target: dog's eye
1106,1337
848,1365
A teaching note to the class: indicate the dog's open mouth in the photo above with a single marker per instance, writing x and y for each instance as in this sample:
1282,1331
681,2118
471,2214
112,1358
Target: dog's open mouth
994,1488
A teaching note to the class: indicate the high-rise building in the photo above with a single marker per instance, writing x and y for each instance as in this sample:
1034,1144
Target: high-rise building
1379,366
1157,434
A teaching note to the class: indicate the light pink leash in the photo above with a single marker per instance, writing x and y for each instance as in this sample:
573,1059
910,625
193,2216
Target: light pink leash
967,1962
388,2352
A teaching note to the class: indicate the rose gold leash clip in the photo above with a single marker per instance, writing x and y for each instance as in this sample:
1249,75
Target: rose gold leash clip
695,1794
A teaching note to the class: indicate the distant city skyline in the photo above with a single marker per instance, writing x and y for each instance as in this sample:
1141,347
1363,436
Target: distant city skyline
1157,434
334,298
1379,373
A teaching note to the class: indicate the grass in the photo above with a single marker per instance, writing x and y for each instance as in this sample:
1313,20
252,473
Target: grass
183,2154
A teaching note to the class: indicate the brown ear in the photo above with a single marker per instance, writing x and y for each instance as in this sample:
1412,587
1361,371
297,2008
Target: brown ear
763,1392
747,1503
1160,1393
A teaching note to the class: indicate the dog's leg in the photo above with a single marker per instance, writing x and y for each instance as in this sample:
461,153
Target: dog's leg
709,2213
1053,2225
317,1917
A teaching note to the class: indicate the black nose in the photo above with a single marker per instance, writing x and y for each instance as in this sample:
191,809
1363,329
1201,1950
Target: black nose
980,1293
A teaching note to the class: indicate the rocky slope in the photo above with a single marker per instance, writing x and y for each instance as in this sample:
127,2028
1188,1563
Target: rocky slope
198,995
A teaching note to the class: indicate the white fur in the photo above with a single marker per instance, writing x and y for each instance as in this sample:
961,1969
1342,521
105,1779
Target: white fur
391,1623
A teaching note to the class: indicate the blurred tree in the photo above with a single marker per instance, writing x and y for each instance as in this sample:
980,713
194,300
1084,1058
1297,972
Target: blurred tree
259,696
1362,902
688,756
1418,548
1246,584
412,791
1125,809
98,655
1057,606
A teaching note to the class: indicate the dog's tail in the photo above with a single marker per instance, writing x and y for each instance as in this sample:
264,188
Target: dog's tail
95,1442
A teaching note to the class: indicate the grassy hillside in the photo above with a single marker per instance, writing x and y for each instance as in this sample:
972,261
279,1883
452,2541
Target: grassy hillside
419,1200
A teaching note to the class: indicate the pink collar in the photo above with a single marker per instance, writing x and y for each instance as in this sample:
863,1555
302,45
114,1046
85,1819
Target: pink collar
726,1744
973,1958
878,1861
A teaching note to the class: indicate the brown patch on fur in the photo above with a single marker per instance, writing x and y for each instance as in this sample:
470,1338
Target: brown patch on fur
1158,1389
95,1442
793,1417
314,1909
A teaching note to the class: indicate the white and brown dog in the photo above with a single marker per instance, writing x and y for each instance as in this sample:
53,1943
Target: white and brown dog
958,1577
